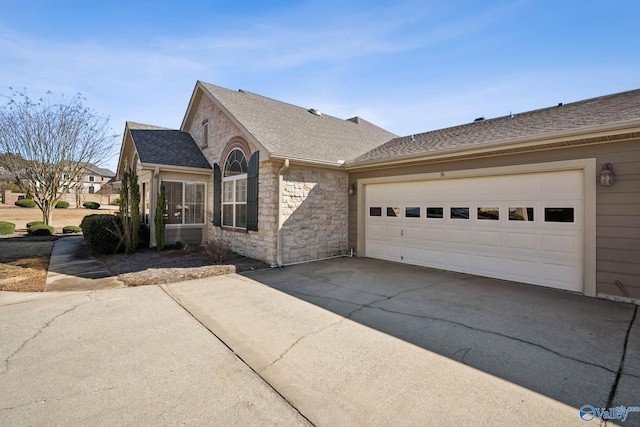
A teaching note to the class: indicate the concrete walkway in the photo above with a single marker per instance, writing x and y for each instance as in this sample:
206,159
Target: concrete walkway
71,268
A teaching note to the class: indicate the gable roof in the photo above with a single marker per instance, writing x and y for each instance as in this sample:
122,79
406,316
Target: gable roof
289,131
573,118
162,146
99,171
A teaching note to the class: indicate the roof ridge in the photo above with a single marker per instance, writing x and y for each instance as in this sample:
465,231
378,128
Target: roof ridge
145,126
537,110
248,92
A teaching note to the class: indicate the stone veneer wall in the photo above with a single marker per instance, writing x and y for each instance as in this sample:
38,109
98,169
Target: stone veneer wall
314,205
259,244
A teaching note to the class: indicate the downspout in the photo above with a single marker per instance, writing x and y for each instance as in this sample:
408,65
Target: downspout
283,169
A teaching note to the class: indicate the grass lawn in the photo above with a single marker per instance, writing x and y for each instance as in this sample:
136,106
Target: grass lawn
24,259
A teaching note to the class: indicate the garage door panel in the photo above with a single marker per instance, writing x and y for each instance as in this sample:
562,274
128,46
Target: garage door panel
393,251
520,241
561,276
432,234
488,263
488,239
513,240
434,258
459,237
375,249
461,260
393,231
521,269
413,233
412,255
375,230
567,245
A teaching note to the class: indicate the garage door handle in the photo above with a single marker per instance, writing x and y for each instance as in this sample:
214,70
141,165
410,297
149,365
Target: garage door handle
402,233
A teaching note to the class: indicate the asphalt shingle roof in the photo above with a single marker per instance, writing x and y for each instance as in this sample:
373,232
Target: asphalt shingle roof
164,146
574,116
290,131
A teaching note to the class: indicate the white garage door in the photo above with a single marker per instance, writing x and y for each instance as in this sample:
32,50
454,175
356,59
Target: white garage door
526,228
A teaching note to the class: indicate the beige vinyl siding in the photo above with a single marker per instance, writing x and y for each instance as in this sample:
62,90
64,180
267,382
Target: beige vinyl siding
617,206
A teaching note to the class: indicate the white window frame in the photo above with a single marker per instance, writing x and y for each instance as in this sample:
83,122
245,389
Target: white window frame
233,202
183,204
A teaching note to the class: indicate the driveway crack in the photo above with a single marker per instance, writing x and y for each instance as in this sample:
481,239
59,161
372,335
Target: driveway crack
614,387
497,334
7,361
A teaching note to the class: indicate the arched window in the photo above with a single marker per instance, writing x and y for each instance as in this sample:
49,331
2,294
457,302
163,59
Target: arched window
236,163
234,190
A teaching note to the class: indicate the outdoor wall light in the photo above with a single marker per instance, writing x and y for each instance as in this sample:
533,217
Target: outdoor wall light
352,189
606,175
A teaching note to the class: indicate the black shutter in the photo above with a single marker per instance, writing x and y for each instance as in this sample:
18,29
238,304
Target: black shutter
252,192
217,195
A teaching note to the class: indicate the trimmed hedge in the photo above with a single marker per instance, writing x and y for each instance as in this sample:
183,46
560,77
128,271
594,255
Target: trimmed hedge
26,203
70,229
40,230
32,223
91,205
98,233
7,227
62,205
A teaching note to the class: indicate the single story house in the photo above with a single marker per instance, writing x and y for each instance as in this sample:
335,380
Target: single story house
549,197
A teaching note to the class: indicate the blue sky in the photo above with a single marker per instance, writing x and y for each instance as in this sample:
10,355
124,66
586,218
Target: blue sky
408,66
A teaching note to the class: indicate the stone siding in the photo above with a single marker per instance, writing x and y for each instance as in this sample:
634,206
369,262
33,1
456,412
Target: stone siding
314,207
259,244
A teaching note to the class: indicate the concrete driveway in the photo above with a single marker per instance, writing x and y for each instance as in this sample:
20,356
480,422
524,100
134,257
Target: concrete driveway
339,342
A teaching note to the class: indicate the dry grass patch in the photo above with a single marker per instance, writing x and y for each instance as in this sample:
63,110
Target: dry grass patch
23,263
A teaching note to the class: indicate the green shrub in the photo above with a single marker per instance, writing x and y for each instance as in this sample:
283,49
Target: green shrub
32,223
26,203
69,229
98,231
62,205
7,227
40,230
91,205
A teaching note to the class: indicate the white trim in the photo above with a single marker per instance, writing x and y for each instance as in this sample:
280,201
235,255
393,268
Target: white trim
169,168
587,166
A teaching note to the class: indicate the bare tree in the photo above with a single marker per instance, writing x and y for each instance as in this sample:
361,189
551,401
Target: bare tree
48,144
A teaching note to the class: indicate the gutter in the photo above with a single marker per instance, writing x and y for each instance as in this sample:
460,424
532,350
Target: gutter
591,132
281,172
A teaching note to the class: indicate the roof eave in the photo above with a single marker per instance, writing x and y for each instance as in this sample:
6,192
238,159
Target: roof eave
513,143
312,162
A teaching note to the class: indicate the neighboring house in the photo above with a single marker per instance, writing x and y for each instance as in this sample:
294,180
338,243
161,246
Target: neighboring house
521,197
95,177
